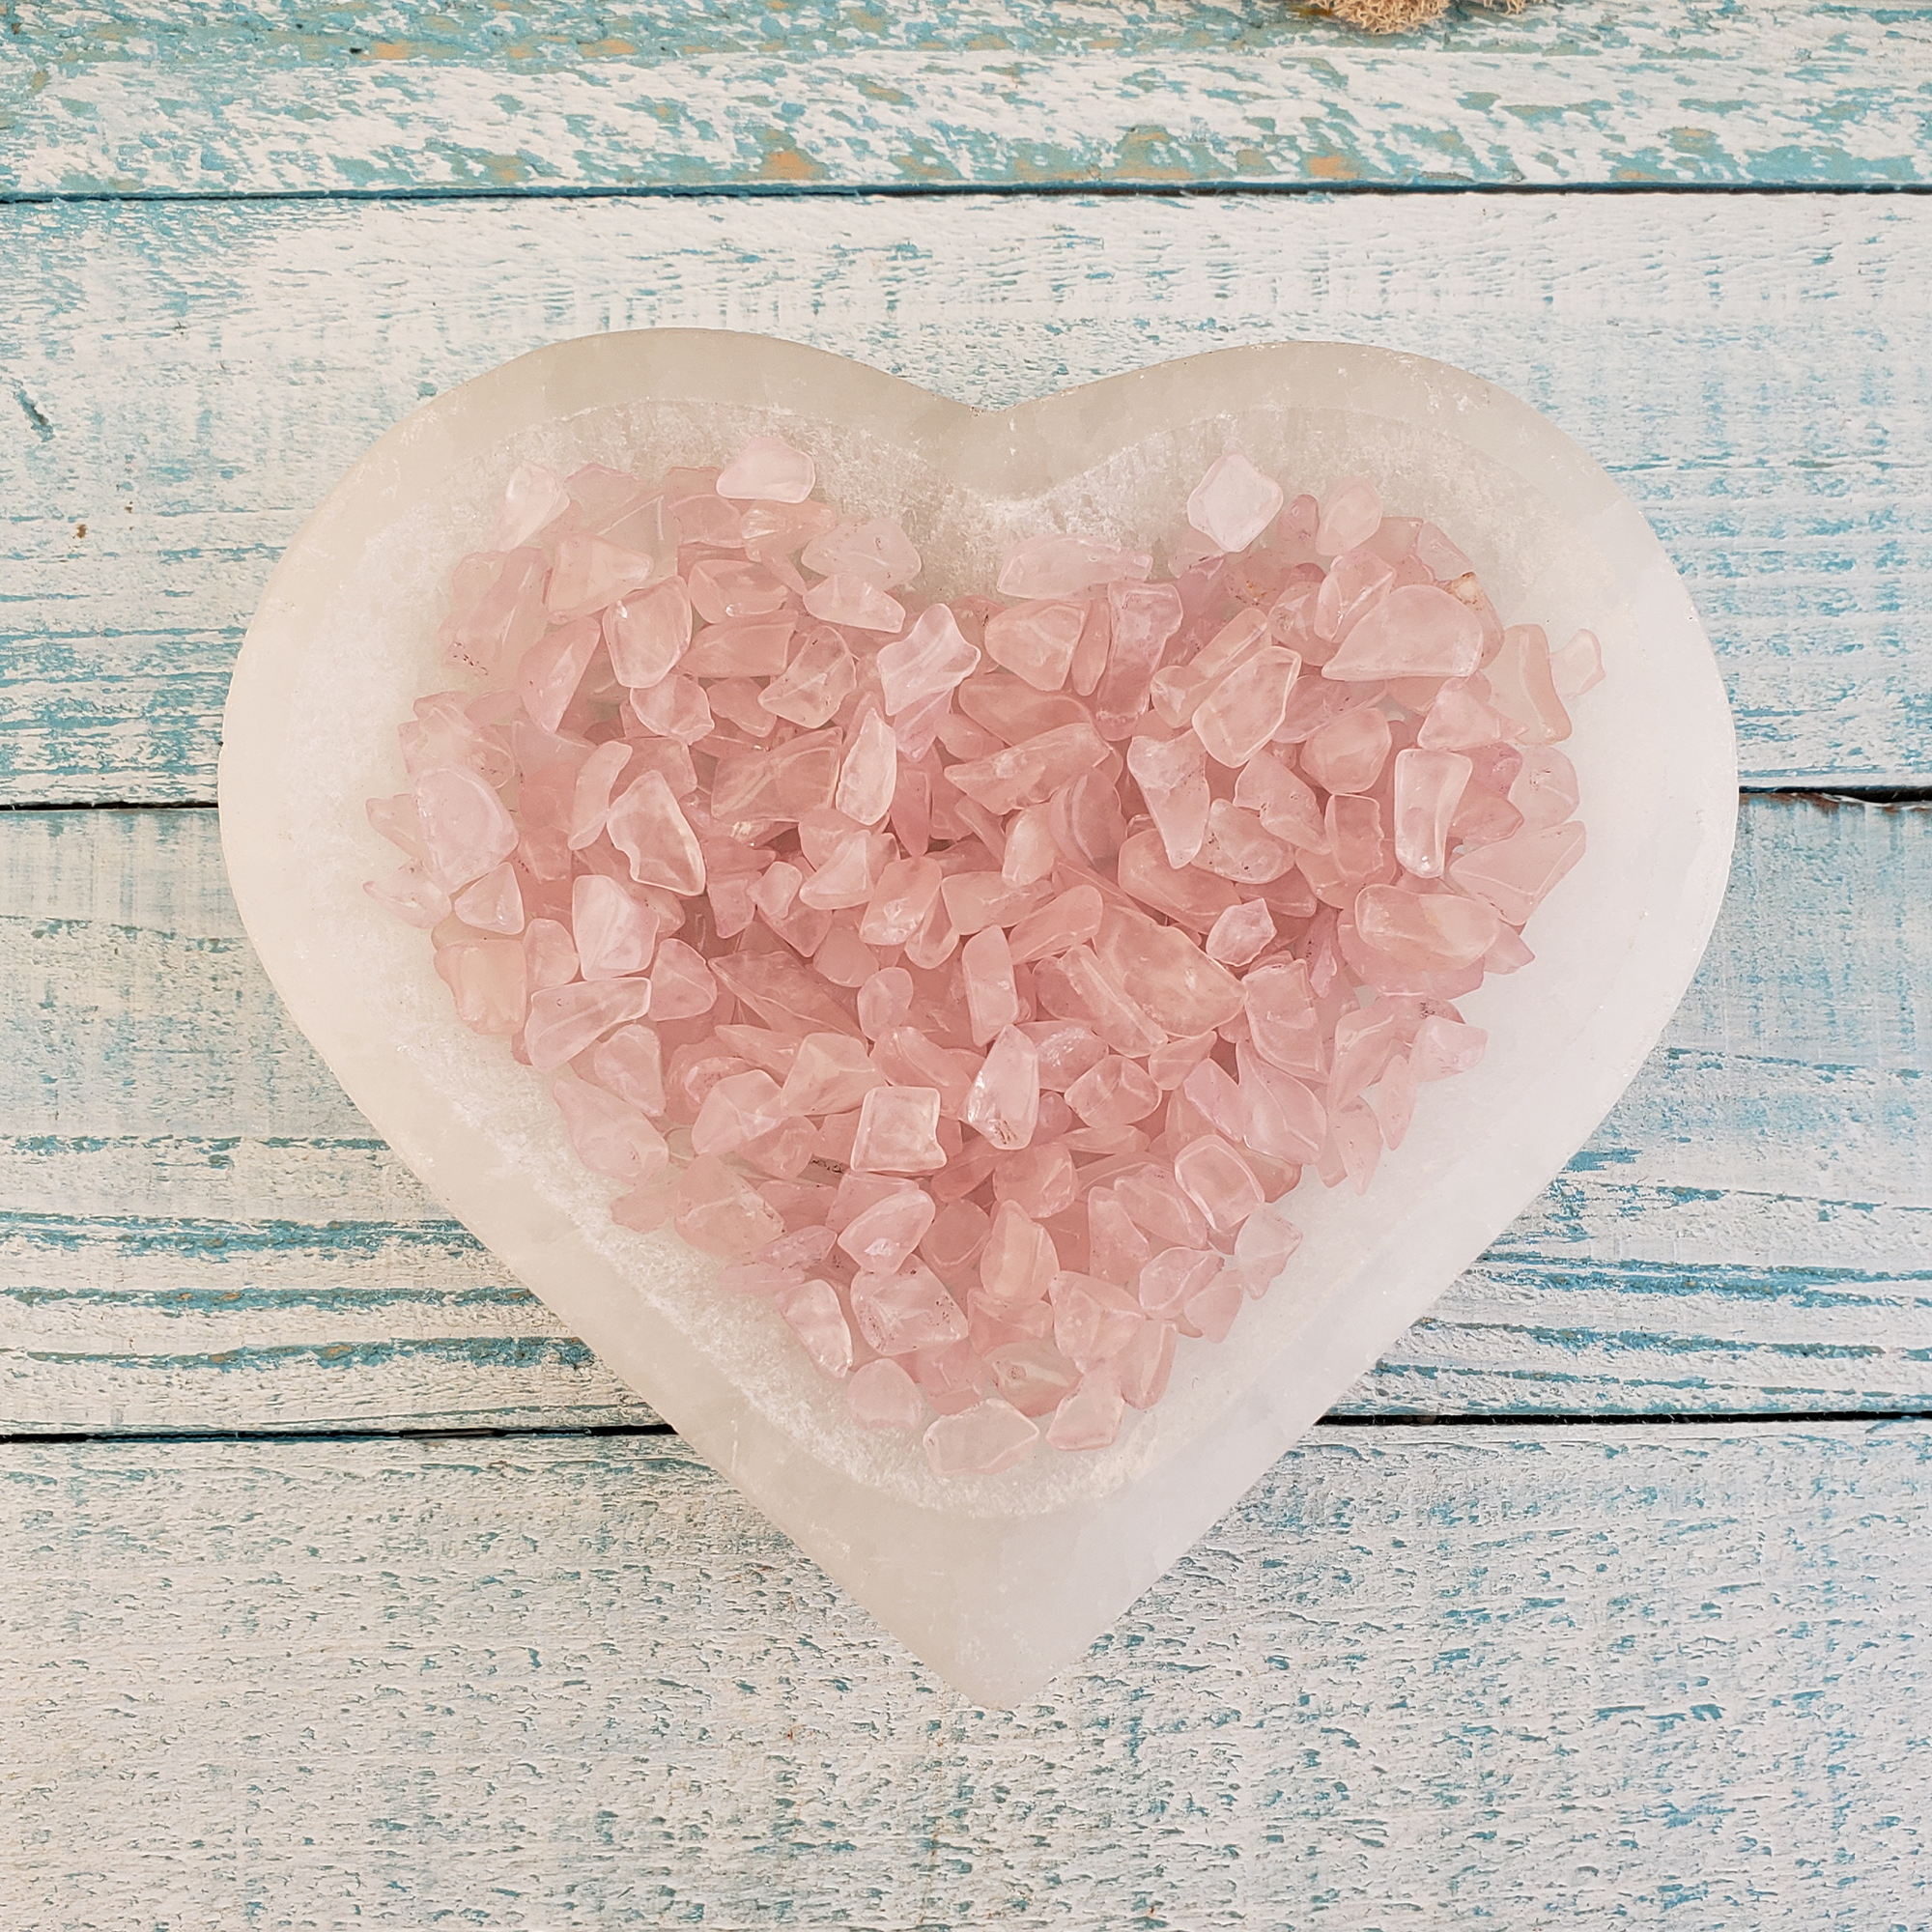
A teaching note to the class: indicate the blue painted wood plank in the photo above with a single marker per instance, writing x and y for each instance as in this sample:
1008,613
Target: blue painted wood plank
183,384
198,1231
494,96
1588,1678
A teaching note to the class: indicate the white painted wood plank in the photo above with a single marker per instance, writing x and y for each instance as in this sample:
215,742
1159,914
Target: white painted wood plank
1497,1677
188,381
138,97
198,1233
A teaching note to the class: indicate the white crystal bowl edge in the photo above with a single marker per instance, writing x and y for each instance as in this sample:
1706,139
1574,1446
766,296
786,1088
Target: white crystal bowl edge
995,1581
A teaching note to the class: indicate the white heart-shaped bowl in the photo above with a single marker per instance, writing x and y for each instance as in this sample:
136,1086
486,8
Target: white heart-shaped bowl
995,1581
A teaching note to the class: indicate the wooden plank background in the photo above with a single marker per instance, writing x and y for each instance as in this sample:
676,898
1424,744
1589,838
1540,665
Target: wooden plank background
1627,1635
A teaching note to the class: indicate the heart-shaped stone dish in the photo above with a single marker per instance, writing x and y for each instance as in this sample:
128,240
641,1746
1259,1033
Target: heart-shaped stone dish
996,1580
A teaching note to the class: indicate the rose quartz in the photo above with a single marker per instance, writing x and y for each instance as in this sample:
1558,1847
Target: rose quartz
881,1395
1246,708
1233,503
1427,788
897,1313
1093,909
1578,667
769,470
984,1440
882,1238
878,550
1353,515
897,1128
1515,875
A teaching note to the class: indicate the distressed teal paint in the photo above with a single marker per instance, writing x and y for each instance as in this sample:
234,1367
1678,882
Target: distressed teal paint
1002,93
191,1213
1750,371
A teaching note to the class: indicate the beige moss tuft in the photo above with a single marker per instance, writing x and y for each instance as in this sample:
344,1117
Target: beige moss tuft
1398,17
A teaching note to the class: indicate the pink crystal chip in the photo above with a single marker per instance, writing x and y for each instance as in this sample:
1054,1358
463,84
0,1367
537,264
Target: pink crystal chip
975,980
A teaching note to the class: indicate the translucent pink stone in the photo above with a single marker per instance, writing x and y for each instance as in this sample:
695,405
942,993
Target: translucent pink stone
1416,631
489,983
897,1313
881,1395
1246,708
739,1108
1059,565
1031,771
992,1001
609,1136
1352,516
1141,1370
878,550
819,678
1115,1249
682,985
494,903
1172,775
855,602
1515,875
1239,849
813,1311
590,797
1037,641
1286,806
1030,853
1240,935
1114,1094
1142,617
1264,1246
1444,1047
1523,687
1233,503
1003,1103
591,573
1093,1319
984,1440
614,931
931,658
1434,932
898,1131
466,830
1039,1181
1017,1262
740,646
631,1064
1218,1181
868,774
1578,667
1089,1418
831,1073
504,618
1348,754
1212,1311
885,1000
563,1023
768,470
646,826
1427,789
882,1238
1545,788
720,1213
532,498
1172,1278
1033,1376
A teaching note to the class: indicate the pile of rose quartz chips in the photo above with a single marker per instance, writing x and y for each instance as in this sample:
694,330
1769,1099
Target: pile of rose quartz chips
974,978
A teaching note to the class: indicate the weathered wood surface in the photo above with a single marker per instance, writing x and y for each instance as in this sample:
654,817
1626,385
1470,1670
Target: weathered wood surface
1595,1677
186,382
197,1231
127,98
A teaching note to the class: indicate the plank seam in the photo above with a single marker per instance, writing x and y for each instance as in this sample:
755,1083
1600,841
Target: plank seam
1521,1419
1154,191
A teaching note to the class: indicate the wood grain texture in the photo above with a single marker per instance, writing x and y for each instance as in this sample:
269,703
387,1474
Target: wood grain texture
494,95
1597,1677
197,1231
188,381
